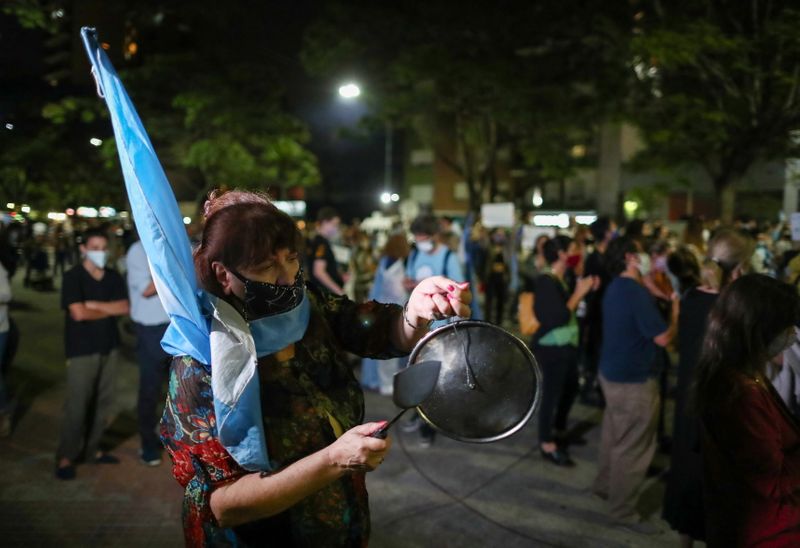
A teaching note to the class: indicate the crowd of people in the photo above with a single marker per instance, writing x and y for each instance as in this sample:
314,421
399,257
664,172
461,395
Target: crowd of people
605,309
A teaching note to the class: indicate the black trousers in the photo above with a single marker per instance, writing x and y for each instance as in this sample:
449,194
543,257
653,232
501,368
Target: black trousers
559,387
153,373
496,295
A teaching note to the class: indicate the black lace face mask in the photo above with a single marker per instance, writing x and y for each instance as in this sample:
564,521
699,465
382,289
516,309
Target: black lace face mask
262,299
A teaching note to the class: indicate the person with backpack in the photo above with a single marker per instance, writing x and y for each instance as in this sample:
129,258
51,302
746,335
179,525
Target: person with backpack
429,258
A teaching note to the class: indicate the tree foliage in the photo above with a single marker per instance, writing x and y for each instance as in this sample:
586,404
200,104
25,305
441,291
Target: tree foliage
471,78
213,108
717,85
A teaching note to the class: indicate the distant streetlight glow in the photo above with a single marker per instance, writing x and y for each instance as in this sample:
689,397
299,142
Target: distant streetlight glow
349,91
630,207
395,197
386,198
95,141
11,205
26,209
9,126
187,220
537,198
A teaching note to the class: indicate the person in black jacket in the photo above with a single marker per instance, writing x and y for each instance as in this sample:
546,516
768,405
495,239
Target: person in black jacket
555,345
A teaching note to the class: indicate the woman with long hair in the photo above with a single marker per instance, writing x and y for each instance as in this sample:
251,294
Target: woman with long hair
729,253
387,288
750,440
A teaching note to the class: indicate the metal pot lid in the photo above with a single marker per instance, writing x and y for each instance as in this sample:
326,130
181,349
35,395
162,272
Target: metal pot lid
489,383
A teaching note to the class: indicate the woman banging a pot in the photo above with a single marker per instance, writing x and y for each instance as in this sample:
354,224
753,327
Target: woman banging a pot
267,439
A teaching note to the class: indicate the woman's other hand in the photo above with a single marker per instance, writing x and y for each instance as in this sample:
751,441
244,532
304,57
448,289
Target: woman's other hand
437,297
355,450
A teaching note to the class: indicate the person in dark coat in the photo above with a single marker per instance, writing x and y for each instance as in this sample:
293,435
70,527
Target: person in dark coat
729,257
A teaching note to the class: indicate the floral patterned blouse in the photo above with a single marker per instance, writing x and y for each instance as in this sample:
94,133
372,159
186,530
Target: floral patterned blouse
309,396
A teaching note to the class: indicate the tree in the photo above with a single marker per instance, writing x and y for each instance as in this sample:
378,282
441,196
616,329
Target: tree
471,78
718,86
213,108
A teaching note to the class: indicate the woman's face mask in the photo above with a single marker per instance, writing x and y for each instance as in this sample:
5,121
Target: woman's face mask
782,343
262,299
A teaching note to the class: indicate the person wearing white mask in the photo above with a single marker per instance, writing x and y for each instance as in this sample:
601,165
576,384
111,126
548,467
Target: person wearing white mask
92,297
429,258
633,328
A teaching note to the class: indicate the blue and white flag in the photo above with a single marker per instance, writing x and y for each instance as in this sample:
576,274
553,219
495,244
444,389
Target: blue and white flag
201,326
156,214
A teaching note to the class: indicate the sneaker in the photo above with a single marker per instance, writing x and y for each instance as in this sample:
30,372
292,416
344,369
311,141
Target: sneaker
149,457
65,473
639,527
106,458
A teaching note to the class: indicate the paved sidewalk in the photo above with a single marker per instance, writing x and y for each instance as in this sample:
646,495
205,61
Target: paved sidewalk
451,494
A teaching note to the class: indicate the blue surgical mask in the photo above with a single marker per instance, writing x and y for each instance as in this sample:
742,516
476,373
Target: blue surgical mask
276,332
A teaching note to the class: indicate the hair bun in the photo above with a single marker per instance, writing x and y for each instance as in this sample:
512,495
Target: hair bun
211,205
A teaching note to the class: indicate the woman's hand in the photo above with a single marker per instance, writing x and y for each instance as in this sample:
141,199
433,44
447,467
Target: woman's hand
356,451
437,297
584,285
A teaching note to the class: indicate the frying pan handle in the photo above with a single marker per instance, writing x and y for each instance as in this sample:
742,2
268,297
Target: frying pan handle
381,433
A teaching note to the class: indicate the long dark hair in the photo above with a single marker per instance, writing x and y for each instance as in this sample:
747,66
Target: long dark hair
750,313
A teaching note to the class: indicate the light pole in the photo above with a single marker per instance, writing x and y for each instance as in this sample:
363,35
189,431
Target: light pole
350,91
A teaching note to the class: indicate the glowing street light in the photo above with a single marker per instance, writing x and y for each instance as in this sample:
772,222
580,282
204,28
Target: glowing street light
95,141
349,90
386,198
537,198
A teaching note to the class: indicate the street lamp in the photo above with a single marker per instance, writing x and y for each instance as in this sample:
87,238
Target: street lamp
349,90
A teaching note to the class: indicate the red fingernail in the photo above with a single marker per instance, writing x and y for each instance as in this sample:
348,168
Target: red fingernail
451,288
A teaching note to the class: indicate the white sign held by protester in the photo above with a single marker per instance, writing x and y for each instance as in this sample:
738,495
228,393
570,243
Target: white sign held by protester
531,233
494,215
794,221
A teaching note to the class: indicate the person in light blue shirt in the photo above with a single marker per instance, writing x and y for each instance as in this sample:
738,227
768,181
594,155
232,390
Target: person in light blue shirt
151,322
429,258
